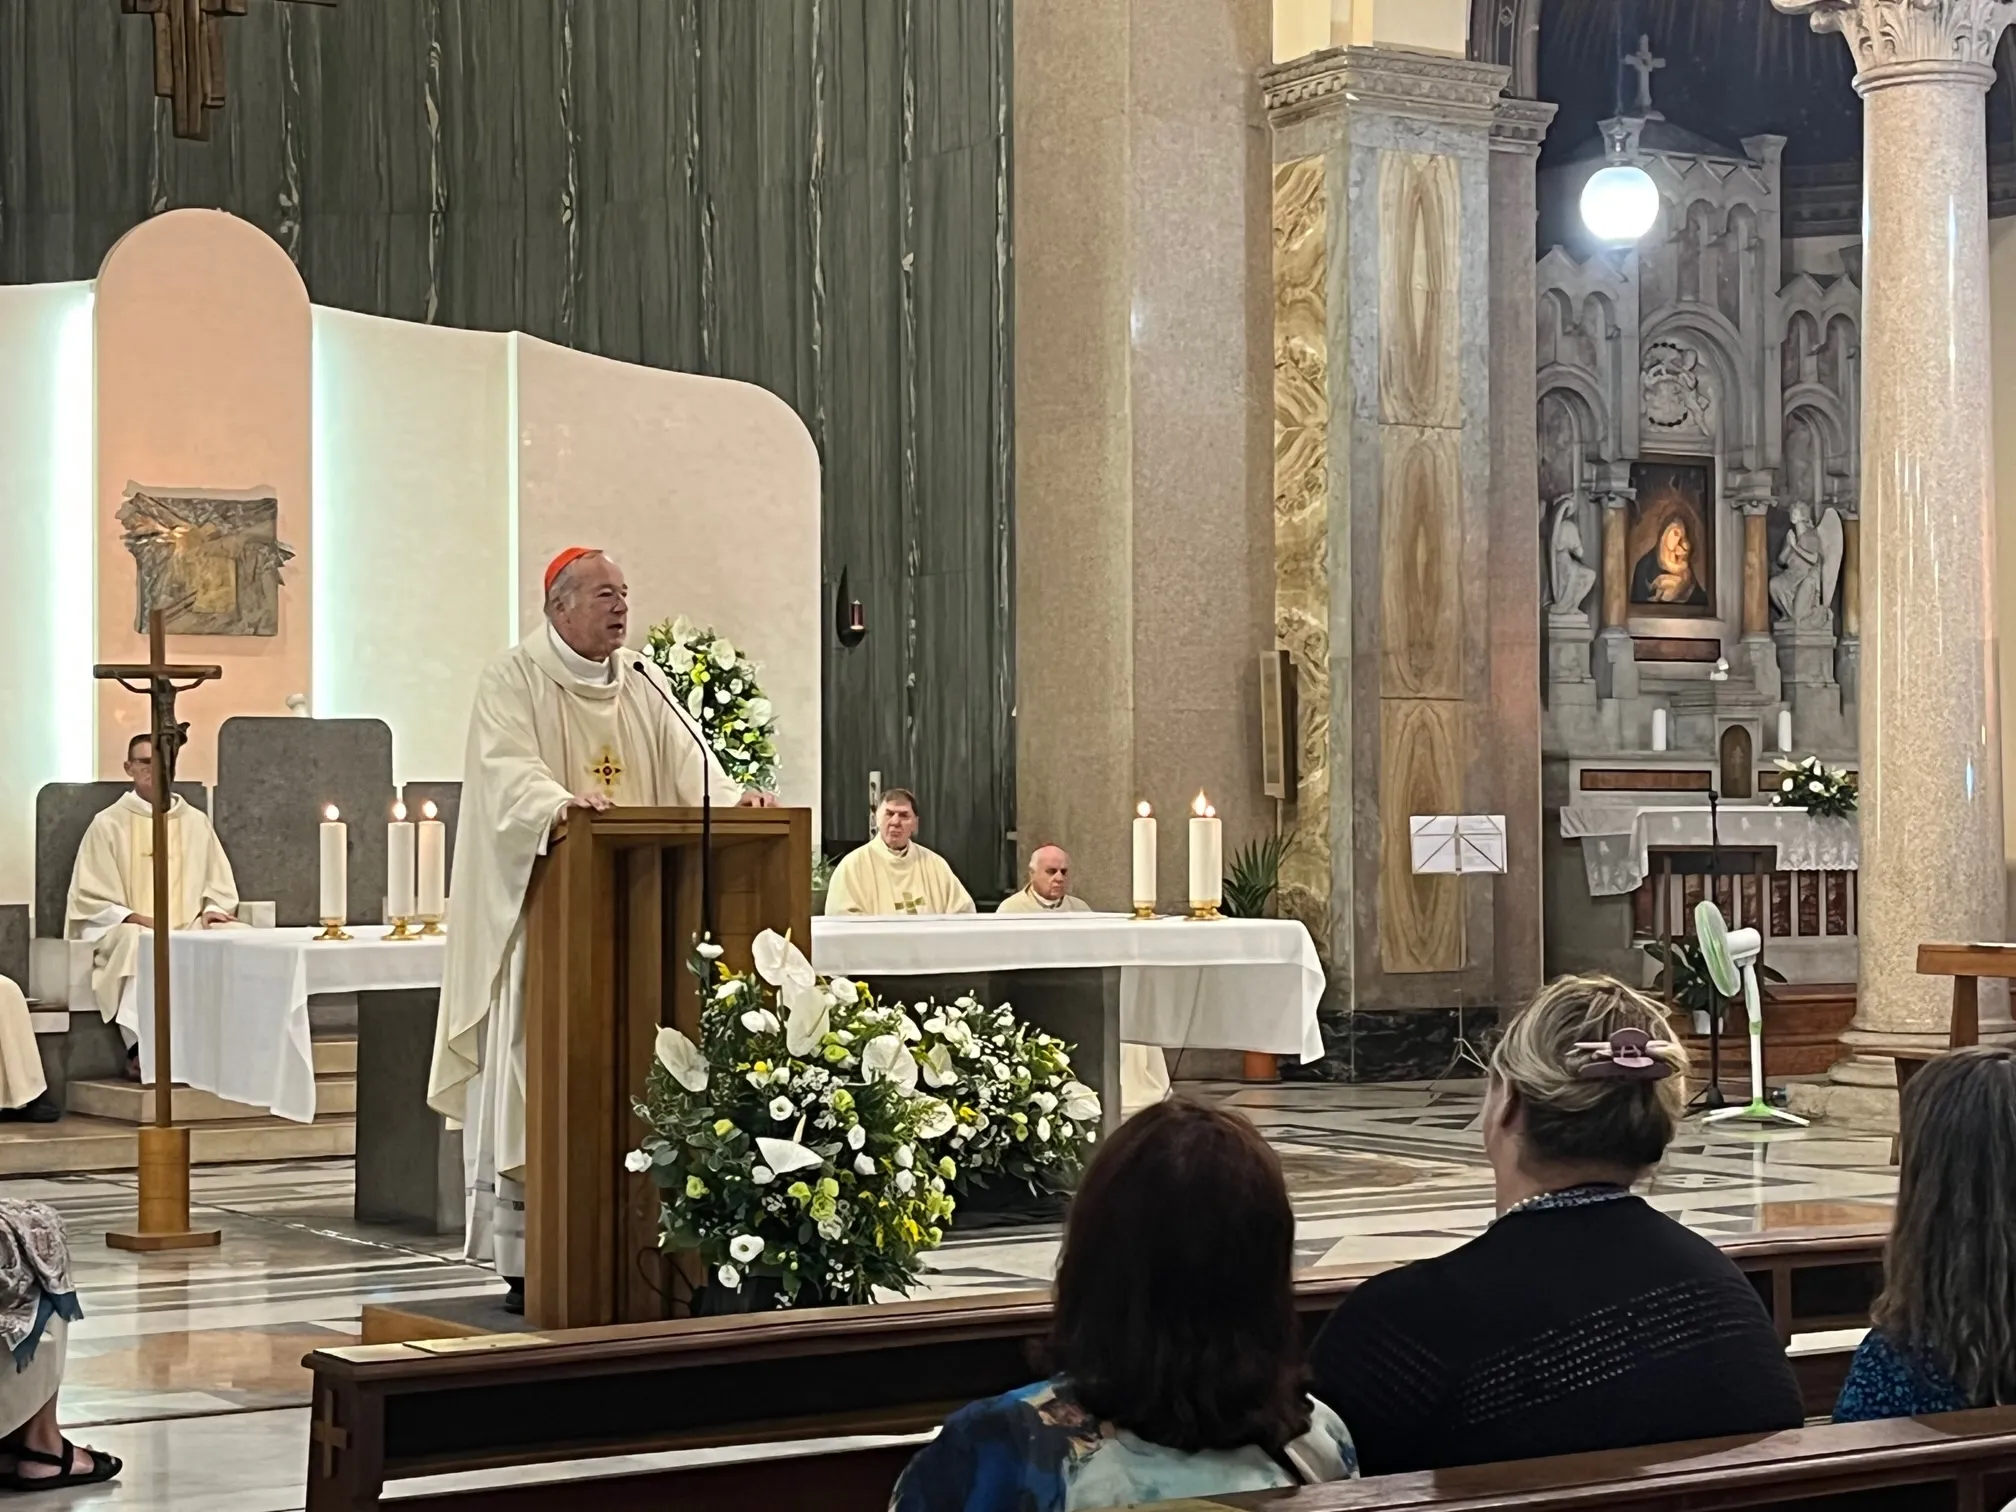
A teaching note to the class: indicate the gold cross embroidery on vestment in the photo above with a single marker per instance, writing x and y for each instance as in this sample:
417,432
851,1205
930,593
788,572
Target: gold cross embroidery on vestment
607,770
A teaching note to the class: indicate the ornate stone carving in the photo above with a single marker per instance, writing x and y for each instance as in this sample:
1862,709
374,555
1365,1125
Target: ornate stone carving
1388,80
1678,395
1810,570
1571,577
1883,32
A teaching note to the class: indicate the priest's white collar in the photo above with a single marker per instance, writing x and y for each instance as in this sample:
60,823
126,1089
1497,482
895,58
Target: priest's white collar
891,852
1043,902
133,803
577,665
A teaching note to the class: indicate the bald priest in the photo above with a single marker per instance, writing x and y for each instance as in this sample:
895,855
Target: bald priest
567,720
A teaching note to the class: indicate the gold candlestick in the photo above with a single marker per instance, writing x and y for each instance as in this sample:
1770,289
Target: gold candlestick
332,929
430,927
1144,910
402,929
1205,911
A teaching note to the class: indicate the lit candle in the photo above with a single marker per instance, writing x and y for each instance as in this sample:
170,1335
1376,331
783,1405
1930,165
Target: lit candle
398,866
433,864
1145,888
1785,731
1658,729
335,867
1207,857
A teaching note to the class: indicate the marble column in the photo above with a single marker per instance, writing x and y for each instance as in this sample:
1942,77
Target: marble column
1758,646
1848,657
1616,657
1932,856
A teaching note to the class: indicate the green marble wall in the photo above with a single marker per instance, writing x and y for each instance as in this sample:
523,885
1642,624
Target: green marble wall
807,194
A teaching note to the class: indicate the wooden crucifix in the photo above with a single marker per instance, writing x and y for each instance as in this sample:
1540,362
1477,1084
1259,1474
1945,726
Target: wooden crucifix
189,56
164,1147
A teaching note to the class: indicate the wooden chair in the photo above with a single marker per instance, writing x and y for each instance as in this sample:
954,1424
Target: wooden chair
1966,964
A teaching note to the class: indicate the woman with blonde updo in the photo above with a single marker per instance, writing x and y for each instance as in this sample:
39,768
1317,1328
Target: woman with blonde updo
1583,1318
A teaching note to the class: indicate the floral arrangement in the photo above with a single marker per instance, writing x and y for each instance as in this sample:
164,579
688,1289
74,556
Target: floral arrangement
1022,1115
792,1144
718,685
1824,792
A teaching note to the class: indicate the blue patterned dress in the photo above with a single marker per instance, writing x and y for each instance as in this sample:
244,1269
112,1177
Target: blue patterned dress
1037,1450
1885,1381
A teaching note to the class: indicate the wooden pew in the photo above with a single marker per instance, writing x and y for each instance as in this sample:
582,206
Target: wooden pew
397,1411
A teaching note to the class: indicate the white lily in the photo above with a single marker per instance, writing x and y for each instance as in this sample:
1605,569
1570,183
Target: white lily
778,961
907,1027
938,1119
786,1155
888,1057
729,1277
938,1068
745,1247
680,1056
707,950
1080,1103
808,1019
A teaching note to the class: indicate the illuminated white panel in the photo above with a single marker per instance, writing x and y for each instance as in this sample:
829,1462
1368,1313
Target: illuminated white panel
47,572
413,528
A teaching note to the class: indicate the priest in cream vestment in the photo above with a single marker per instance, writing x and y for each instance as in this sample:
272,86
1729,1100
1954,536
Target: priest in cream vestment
112,889
24,1088
1144,1070
892,873
567,720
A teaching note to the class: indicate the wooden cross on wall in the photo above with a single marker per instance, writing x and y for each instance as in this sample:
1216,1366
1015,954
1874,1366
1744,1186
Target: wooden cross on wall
189,55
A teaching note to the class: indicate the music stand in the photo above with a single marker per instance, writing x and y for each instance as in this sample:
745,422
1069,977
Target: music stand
1458,845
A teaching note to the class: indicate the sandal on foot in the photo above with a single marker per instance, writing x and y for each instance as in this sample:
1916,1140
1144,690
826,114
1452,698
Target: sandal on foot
103,1468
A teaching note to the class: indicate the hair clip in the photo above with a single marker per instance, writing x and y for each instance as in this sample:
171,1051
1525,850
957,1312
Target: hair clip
1628,1055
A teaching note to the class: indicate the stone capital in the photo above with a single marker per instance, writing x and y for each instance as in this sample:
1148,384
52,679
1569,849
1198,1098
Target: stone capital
1389,81
1756,504
1956,37
1615,498
1521,125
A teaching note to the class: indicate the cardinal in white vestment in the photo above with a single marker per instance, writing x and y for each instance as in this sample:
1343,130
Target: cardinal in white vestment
1144,1070
892,873
112,887
568,719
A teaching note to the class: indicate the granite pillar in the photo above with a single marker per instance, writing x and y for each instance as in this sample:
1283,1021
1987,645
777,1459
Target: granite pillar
1144,448
1760,649
1848,657
1388,544
1932,862
1616,657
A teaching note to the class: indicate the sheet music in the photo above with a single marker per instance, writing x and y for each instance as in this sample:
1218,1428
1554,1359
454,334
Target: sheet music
1458,844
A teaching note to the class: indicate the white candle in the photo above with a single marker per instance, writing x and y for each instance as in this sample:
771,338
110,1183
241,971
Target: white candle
433,864
1207,855
1658,729
1145,888
1785,730
335,867
398,866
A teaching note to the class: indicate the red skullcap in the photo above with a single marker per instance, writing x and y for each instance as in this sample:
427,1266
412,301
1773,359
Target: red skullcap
566,559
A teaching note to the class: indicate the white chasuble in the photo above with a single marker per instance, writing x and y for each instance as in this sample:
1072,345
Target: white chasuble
21,1076
1028,901
877,880
114,877
547,725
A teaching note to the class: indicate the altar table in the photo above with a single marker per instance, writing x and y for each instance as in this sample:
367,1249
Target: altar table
1618,838
240,1002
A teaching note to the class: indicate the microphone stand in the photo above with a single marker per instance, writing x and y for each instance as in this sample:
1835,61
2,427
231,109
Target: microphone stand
706,799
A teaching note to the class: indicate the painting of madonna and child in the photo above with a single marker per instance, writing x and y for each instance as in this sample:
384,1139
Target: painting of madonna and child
1670,538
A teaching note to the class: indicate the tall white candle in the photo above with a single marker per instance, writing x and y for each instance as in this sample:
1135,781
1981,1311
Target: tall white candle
335,867
1145,887
433,889
1658,729
399,865
1785,730
1207,855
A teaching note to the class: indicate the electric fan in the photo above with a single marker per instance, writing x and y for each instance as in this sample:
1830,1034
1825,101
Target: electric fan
1731,958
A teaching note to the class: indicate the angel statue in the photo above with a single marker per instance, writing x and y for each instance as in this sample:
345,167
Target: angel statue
1811,569
1571,578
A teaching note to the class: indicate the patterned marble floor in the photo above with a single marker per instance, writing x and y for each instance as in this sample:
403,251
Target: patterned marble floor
189,1364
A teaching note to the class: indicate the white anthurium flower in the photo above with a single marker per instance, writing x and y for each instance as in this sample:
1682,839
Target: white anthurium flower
683,629
856,1137
758,711
809,1017
907,1027
865,1164
938,1068
1080,1103
843,990
938,1119
696,700
680,1056
735,686
778,961
729,1277
707,950
1046,1101
681,658
762,1175
637,1162
745,1247
888,1057
781,1109
784,1156
760,1021
723,655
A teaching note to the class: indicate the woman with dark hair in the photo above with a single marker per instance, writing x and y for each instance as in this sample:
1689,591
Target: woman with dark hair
1175,1342
1583,1318
1945,1324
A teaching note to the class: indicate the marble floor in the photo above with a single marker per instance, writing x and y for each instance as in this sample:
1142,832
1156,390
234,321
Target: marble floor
188,1364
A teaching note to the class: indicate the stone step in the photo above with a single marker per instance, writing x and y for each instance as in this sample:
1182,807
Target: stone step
335,1057
77,1143
130,1102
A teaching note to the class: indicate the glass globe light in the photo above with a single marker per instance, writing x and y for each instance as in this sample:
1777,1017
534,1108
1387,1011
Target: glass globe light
1620,202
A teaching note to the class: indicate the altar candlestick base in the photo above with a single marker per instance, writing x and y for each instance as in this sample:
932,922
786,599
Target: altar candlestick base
402,929
164,1196
332,929
1144,910
1205,911
430,929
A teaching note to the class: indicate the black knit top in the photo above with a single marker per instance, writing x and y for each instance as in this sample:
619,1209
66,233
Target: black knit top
1601,1326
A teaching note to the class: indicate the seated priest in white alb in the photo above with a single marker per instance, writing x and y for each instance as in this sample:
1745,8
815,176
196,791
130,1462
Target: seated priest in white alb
24,1089
1049,889
892,873
112,888
567,720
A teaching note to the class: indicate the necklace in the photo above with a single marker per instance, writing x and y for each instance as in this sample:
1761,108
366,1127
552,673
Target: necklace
1586,1195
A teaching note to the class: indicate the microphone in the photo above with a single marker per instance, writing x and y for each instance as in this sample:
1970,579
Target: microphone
680,718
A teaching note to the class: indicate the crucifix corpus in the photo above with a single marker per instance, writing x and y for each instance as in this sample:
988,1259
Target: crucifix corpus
189,56
164,1147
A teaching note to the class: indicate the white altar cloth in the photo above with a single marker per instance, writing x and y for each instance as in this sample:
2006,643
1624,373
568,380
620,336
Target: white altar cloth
240,1000
1618,838
1226,984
